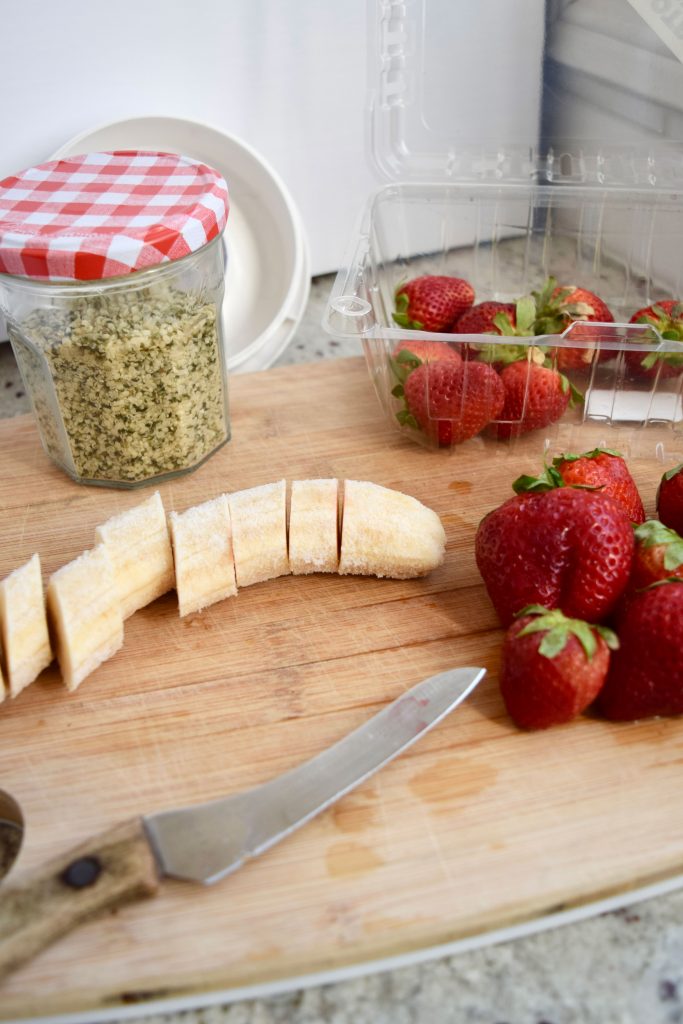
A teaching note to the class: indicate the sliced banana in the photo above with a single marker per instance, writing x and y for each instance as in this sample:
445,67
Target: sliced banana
388,533
259,532
313,526
84,606
202,548
23,625
232,540
139,547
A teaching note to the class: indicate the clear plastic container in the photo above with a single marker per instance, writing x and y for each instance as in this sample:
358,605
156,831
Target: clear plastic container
508,211
127,376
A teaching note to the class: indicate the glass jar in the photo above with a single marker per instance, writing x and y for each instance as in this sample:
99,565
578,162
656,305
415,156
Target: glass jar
126,374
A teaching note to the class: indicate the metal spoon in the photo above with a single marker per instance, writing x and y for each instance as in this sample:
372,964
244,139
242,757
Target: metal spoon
11,831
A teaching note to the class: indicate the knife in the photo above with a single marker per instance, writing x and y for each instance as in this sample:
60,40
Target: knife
205,842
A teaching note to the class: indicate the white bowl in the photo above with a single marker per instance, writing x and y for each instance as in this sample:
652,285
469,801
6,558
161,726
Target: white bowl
268,272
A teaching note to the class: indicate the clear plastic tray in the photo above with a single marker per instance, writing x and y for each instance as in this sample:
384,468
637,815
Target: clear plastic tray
506,213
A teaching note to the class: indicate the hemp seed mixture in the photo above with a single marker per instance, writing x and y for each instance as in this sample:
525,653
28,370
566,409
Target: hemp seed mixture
136,377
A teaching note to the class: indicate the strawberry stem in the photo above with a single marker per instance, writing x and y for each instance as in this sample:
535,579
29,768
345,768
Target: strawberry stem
558,628
573,456
652,533
548,480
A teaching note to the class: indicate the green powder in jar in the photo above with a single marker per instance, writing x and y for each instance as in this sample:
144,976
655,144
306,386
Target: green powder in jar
137,383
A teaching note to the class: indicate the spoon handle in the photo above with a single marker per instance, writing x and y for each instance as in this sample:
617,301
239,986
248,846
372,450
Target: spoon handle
105,872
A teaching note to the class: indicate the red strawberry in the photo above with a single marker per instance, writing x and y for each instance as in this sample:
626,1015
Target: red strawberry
558,307
507,320
534,397
646,673
667,318
428,351
432,302
480,319
552,667
670,499
452,401
607,471
564,548
658,555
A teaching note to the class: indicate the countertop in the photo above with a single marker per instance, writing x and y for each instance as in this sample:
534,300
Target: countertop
621,967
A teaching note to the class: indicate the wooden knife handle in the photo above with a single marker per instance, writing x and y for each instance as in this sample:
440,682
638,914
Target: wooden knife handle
103,873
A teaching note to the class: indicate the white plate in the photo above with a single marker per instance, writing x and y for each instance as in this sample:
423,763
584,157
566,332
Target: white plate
268,276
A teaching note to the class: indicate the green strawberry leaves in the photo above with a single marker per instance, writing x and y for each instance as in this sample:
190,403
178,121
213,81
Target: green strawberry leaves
548,480
661,583
558,628
575,396
503,354
652,533
670,358
402,365
406,419
544,297
669,327
401,314
525,319
574,457
671,473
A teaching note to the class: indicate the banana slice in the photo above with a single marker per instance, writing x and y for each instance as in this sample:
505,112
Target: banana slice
259,532
388,533
23,624
139,547
313,534
84,606
202,546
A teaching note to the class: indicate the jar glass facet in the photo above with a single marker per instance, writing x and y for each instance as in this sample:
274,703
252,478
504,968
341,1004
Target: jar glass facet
127,376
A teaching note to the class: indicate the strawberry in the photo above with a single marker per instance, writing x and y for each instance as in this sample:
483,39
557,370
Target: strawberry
507,320
552,667
562,548
432,302
559,306
658,555
605,470
481,319
667,318
670,499
534,397
451,401
428,351
645,677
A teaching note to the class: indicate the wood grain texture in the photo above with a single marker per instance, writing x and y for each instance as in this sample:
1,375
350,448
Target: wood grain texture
101,874
476,827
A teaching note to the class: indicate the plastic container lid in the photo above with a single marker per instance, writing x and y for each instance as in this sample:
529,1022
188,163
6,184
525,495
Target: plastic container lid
102,215
470,92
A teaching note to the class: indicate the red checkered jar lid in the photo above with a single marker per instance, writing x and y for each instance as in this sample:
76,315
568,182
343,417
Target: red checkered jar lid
103,215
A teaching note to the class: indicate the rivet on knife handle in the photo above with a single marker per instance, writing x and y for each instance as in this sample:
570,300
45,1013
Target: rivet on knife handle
106,872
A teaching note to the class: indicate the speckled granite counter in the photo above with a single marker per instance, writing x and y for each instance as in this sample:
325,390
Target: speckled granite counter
622,967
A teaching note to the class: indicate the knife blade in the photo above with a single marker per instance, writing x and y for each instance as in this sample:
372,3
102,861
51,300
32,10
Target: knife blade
205,842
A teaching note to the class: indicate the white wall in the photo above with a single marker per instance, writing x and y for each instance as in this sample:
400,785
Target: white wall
288,76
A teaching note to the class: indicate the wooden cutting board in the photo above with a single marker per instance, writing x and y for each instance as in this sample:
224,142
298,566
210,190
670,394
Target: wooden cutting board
478,826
